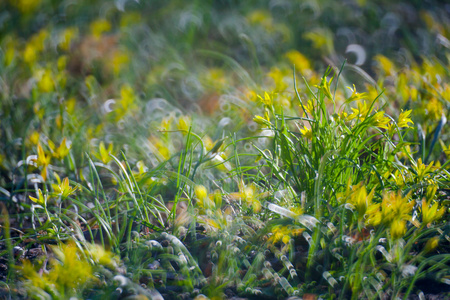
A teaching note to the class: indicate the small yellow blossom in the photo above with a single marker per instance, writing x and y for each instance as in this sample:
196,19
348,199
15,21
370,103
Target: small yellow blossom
41,199
66,38
99,27
380,120
184,123
359,199
267,100
385,64
120,59
325,87
46,83
422,170
433,109
431,214
431,244
355,95
361,112
393,211
200,192
306,132
300,61
103,152
404,119
63,188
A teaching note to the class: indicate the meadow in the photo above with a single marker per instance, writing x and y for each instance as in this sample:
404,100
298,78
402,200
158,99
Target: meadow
224,149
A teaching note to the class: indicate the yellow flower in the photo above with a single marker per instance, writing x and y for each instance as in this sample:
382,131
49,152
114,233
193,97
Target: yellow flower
380,120
70,270
431,244
385,64
184,123
277,75
200,192
446,149
309,107
119,60
398,228
63,188
98,27
325,87
45,82
41,199
66,38
404,119
359,199
393,211
103,152
267,100
261,121
34,137
355,95
63,150
422,170
361,112
433,109
306,132
26,6
431,214
297,59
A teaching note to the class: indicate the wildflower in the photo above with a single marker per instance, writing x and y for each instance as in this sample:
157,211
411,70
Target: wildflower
103,152
184,123
9,52
267,100
297,59
422,170
34,137
325,87
43,160
431,244
63,150
321,38
119,60
41,199
277,76
380,120
309,107
46,83
431,189
69,270
431,214
306,132
165,124
355,95
394,211
404,119
98,27
433,109
63,188
101,256
66,38
385,64
262,121
26,6
200,192
361,112
446,149
359,199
